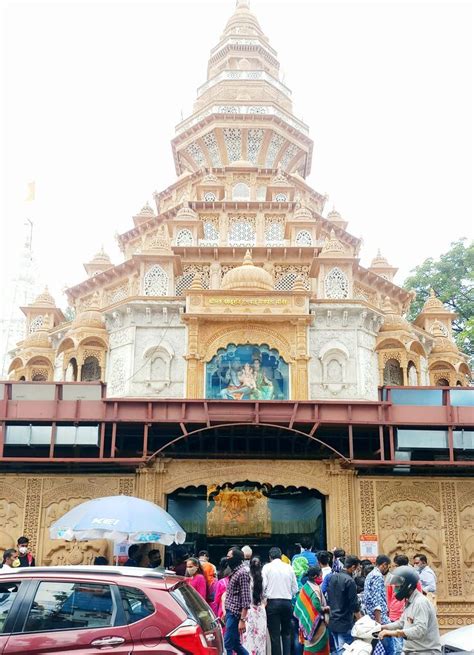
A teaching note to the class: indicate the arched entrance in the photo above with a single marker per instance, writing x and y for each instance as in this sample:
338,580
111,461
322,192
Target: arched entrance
260,515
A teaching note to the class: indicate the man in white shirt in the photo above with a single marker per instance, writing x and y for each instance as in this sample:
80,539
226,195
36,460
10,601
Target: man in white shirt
323,558
279,587
9,556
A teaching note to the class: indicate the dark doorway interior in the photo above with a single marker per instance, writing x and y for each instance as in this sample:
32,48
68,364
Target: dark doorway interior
248,513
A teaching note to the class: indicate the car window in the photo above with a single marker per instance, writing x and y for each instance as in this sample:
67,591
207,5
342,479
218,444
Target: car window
8,593
70,605
194,606
136,604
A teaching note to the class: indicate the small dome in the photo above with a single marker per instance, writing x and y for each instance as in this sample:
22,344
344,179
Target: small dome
101,257
302,214
392,321
38,339
379,261
186,212
332,245
433,303
146,210
442,343
45,299
334,216
90,317
247,276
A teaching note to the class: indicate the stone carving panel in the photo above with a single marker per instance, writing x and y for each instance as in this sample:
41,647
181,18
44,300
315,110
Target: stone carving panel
61,496
410,522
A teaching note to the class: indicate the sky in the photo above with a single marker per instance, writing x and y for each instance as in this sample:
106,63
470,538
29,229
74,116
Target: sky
92,92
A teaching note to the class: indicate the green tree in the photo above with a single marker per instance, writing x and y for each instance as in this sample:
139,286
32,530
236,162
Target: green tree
452,279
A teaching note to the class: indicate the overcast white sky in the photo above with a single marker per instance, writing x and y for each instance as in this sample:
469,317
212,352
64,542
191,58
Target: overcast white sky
92,92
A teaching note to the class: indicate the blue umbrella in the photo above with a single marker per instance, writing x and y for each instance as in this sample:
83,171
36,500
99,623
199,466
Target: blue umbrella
119,518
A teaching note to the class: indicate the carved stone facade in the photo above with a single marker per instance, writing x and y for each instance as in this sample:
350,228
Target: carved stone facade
434,517
30,504
241,161
430,516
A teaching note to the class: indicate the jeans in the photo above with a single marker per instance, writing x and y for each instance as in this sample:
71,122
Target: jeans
279,614
341,638
232,635
296,647
397,645
388,645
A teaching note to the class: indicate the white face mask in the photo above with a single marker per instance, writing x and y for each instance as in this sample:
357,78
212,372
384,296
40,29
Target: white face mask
23,550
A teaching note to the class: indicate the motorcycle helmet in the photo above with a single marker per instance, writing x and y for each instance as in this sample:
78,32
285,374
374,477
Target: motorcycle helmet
404,579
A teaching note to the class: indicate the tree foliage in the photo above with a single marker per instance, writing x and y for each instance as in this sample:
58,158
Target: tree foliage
452,279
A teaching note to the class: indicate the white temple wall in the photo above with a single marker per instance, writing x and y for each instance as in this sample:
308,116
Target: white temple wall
343,362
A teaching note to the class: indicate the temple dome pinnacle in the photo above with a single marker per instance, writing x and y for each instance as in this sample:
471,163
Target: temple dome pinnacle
101,257
433,303
242,22
379,261
45,299
146,210
334,216
247,276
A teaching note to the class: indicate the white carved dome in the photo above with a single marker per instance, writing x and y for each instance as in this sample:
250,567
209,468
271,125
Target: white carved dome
247,276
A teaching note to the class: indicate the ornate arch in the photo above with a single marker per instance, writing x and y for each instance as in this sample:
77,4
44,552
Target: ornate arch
66,344
242,334
16,364
313,475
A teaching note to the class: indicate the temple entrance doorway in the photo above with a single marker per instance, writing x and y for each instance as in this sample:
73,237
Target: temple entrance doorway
248,513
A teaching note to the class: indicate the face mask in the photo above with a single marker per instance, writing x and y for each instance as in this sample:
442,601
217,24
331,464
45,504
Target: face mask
23,550
191,571
16,563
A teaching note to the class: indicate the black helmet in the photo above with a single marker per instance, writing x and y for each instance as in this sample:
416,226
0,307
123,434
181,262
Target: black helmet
406,578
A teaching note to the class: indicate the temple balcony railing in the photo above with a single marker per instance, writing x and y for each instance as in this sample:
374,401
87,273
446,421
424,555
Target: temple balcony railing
240,75
75,423
249,110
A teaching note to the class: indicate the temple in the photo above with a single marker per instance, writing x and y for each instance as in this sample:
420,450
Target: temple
238,289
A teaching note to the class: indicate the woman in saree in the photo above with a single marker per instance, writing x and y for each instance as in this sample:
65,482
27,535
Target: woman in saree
309,610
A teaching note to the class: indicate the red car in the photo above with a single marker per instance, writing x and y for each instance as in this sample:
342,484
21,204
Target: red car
95,609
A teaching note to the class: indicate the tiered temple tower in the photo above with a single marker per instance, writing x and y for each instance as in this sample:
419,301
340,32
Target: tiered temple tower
188,313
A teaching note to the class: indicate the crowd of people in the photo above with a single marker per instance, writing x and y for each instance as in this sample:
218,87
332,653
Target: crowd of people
305,605
309,604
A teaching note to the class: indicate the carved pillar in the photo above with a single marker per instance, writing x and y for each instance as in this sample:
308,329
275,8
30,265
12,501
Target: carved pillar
161,470
32,511
223,228
194,367
367,508
341,511
452,542
146,484
300,378
260,229
215,275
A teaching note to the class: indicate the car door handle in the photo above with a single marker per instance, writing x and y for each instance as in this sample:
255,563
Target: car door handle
108,641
